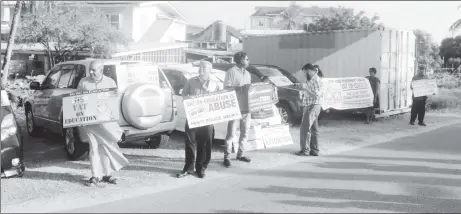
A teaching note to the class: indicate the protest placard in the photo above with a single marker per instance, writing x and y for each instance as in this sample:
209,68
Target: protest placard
261,97
424,87
346,93
90,107
142,73
212,108
276,135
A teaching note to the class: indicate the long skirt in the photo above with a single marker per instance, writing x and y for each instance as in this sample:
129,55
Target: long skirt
105,154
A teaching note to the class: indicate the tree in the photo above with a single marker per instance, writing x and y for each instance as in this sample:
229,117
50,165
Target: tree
9,48
450,48
65,32
292,16
457,25
343,19
427,50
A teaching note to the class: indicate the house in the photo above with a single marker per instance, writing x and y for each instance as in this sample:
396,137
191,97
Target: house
215,42
153,28
271,18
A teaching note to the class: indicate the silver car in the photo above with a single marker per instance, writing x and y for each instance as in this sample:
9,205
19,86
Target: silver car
147,106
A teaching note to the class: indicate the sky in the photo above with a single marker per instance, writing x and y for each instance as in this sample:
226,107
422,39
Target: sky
434,17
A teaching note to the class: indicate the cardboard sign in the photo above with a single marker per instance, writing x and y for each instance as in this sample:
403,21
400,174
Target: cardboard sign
346,93
90,107
207,109
261,97
277,135
424,87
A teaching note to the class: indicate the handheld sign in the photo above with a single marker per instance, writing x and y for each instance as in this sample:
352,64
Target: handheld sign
346,93
277,135
424,87
90,107
212,108
261,97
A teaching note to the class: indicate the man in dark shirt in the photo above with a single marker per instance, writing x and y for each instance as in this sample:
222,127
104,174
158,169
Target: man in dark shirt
375,85
418,108
198,140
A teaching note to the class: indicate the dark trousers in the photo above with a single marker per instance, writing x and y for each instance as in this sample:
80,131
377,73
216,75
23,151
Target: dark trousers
198,148
309,129
418,109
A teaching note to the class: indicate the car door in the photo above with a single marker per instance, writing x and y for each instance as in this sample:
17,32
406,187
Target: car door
177,81
41,98
68,81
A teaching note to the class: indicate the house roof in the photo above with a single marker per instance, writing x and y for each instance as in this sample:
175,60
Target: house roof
229,29
273,11
156,30
194,29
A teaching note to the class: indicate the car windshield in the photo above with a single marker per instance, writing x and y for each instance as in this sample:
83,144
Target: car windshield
276,73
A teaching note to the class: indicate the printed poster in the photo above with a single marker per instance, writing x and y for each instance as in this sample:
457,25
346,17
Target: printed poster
90,107
424,87
212,108
346,93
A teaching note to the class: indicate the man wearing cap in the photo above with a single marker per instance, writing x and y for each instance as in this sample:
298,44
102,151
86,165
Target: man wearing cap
418,109
199,139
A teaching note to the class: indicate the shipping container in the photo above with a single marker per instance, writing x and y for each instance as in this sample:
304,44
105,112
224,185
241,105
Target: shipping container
346,53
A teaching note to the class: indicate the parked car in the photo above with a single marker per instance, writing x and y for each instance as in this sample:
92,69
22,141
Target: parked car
289,104
178,75
147,107
12,155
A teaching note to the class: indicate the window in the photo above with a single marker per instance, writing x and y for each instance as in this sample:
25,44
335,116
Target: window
114,20
67,73
52,79
109,71
80,72
176,80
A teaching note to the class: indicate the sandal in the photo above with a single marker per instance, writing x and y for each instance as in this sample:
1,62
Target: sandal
93,181
109,179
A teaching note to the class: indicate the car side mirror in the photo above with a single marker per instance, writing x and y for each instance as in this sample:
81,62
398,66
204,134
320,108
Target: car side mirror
34,86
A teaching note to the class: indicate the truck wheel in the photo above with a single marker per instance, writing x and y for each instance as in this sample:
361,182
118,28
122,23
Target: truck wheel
285,113
32,129
75,148
158,141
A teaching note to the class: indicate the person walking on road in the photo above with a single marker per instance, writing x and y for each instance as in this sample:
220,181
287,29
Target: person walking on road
418,108
309,122
375,84
198,140
237,78
105,154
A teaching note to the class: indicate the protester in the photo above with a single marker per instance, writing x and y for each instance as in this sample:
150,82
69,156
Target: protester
105,155
320,73
198,140
375,85
418,108
309,122
236,78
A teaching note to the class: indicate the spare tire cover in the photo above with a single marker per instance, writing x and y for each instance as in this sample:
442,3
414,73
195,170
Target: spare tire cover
143,105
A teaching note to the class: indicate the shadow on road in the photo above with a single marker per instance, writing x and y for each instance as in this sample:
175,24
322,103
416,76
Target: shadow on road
364,200
427,160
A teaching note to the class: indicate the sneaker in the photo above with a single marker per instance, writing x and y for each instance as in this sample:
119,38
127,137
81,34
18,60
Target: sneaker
182,174
412,123
93,181
227,162
109,179
301,153
201,174
313,154
244,159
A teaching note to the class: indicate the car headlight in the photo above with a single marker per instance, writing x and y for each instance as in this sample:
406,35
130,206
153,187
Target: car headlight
8,127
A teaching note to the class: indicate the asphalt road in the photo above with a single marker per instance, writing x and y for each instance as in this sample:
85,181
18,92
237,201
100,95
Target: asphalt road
413,174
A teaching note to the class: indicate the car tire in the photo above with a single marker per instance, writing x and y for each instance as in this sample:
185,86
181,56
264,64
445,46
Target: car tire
32,129
158,141
285,112
75,148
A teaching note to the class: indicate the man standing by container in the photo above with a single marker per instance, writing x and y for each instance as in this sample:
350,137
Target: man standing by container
418,108
236,78
374,83
198,140
309,123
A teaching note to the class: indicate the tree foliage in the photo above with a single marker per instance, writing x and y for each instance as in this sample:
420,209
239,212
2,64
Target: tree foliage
66,32
427,50
457,24
343,19
293,16
450,48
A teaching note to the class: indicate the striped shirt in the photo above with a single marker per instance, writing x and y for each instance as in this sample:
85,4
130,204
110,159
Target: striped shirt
314,85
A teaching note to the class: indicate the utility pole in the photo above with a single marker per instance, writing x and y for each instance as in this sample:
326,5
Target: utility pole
9,48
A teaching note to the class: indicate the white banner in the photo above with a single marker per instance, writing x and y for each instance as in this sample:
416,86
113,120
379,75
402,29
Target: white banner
207,109
277,135
346,93
424,87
